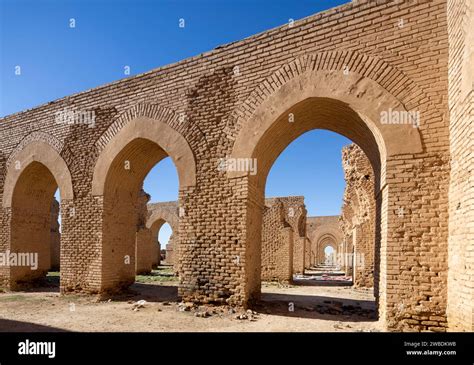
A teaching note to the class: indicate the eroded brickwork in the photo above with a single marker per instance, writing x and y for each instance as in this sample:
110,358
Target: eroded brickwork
357,219
284,225
55,236
145,247
339,70
277,243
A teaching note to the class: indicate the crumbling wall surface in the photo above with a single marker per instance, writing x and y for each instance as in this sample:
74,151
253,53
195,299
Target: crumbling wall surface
284,226
55,236
357,220
295,214
277,243
145,248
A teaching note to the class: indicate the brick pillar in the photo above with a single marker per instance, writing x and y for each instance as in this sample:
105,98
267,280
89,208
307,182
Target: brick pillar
55,236
364,256
144,251
298,256
286,271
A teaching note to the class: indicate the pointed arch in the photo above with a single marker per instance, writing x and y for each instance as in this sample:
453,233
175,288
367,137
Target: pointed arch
44,154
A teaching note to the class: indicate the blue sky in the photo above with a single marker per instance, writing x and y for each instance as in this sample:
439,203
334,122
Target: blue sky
56,60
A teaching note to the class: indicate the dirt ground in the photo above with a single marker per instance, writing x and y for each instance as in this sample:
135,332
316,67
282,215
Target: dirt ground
305,306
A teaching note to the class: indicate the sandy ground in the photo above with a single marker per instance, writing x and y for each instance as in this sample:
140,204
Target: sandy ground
312,307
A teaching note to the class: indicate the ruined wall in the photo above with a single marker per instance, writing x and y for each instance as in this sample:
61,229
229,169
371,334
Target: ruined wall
55,236
145,247
283,235
358,214
461,189
295,215
277,243
172,251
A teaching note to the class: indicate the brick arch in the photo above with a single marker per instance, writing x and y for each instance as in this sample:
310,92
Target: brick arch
37,136
327,232
152,111
352,109
136,143
391,79
160,217
327,243
319,95
324,241
37,152
150,123
33,175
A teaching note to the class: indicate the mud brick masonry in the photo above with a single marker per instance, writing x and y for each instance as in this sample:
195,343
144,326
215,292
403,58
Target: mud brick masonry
159,214
357,220
283,235
339,70
323,232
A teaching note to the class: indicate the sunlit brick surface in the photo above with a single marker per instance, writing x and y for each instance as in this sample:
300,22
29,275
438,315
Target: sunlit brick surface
337,70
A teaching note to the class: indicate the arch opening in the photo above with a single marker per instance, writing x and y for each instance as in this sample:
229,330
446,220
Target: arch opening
124,222
31,222
35,174
281,119
119,177
329,254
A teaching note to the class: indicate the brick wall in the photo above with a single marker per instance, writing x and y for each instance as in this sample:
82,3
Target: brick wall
283,227
277,243
55,236
159,214
334,70
357,219
461,189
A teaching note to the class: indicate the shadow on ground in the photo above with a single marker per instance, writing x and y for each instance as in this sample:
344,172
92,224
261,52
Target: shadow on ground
317,307
313,282
7,325
149,292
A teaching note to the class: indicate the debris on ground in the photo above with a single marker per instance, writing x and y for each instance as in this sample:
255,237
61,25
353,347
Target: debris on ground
138,305
249,314
204,314
337,307
186,306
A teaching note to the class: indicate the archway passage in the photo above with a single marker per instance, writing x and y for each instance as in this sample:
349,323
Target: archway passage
120,218
165,240
329,254
33,176
303,104
118,178
31,224
309,114
162,216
